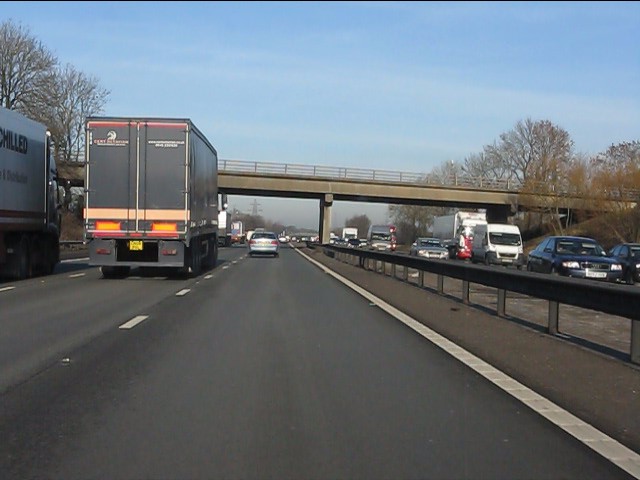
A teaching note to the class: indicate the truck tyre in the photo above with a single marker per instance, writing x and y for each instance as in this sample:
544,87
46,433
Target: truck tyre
20,261
195,257
47,260
486,260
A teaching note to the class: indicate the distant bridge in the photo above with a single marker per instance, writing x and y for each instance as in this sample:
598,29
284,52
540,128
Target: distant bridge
501,198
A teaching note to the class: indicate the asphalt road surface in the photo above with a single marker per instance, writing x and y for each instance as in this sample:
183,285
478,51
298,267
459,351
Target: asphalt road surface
260,368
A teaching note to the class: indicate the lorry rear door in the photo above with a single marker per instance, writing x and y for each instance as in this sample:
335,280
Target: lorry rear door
136,178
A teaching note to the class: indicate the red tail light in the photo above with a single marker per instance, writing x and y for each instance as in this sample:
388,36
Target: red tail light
252,242
274,242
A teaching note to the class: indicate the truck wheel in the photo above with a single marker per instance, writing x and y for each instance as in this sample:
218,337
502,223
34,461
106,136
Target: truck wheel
195,257
49,257
212,253
486,260
20,261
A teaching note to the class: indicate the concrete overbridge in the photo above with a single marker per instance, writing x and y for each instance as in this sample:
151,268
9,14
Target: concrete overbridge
500,198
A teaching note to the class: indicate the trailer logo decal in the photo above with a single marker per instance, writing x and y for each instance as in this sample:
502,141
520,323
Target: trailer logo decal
13,141
111,140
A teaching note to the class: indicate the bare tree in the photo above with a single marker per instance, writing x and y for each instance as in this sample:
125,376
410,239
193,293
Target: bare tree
448,172
412,221
534,150
488,164
538,155
75,96
25,68
361,222
617,182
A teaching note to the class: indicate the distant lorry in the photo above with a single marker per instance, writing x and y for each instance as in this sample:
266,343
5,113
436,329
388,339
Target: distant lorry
152,195
30,200
382,237
224,228
498,244
349,232
456,232
237,232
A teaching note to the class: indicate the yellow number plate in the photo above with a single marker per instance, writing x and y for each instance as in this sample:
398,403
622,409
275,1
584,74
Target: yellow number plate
135,245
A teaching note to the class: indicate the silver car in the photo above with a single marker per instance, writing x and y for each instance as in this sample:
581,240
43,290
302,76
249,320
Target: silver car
265,243
429,248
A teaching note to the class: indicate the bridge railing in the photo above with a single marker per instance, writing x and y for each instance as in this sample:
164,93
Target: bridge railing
602,297
363,174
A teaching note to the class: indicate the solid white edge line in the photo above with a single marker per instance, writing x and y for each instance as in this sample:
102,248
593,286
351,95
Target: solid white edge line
611,449
133,322
6,289
183,292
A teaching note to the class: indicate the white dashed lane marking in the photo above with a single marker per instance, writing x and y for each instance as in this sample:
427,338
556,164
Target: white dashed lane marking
133,322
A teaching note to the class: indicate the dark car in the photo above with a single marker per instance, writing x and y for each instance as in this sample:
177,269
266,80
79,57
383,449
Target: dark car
353,243
429,248
579,257
628,255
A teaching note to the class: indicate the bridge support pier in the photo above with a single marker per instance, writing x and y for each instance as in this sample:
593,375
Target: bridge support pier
324,229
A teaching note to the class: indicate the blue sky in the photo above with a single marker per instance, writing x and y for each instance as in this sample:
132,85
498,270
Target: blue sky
382,85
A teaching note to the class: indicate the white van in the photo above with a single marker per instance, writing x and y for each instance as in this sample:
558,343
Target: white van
497,244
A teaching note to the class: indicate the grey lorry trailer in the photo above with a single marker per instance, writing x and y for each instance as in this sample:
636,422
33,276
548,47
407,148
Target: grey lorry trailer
30,201
151,195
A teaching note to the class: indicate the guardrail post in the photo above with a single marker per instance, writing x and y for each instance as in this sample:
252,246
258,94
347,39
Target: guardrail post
440,284
405,274
393,270
421,278
465,292
554,314
502,302
635,341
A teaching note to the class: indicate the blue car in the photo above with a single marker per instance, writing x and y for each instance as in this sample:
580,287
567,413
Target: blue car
628,255
579,257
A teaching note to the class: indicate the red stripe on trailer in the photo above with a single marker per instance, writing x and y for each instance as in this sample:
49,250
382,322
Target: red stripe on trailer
165,125
109,124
